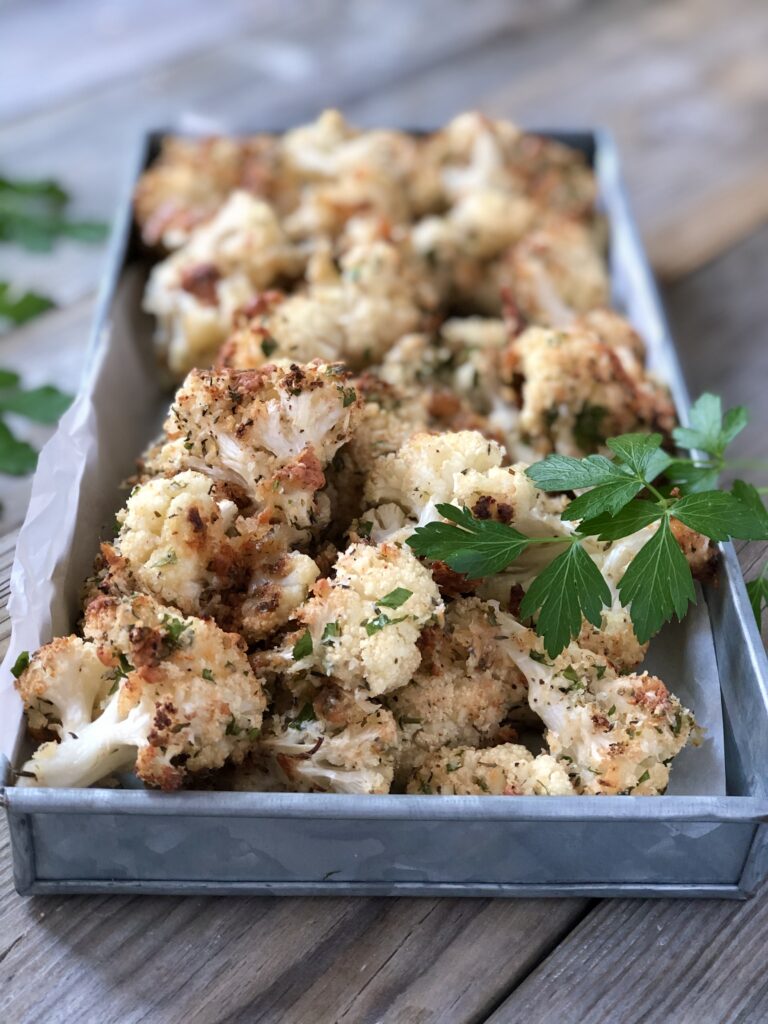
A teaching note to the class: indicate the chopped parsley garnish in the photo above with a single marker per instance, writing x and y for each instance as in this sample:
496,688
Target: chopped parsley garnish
269,346
303,646
395,597
20,664
329,633
208,675
380,621
173,630
307,714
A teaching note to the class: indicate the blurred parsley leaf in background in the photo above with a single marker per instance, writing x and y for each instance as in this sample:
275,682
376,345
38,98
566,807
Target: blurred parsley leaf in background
16,309
33,214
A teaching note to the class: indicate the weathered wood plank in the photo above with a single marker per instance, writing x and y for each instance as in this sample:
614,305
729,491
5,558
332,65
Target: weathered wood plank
38,42
124,960
655,962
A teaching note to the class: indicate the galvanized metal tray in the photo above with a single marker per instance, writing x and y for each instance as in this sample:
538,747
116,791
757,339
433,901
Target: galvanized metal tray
101,840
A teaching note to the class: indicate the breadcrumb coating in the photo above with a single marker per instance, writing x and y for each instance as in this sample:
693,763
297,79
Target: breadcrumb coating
505,770
362,626
183,700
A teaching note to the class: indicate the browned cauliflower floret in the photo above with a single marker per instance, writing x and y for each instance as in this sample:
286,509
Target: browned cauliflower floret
464,687
183,699
473,152
464,469
188,546
355,313
363,625
554,273
614,733
269,432
505,770
614,330
195,292
345,173
63,686
575,390
192,178
334,742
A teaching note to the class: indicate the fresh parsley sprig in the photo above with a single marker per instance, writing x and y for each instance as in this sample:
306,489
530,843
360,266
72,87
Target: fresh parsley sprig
618,497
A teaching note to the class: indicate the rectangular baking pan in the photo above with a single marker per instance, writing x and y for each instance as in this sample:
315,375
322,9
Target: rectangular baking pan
137,841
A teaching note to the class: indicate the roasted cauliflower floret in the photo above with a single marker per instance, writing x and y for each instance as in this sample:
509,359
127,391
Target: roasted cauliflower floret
192,178
505,770
464,687
575,390
195,292
615,733
362,626
556,272
355,313
270,432
473,152
185,700
188,546
464,469
337,743
346,173
63,686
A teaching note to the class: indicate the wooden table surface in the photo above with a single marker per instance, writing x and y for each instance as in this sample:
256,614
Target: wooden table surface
683,84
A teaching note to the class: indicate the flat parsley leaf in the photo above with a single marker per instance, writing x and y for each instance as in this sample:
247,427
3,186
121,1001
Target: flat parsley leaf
472,546
658,583
757,590
564,473
720,516
32,214
570,587
750,496
43,405
17,458
395,597
18,309
708,430
639,453
303,646
628,520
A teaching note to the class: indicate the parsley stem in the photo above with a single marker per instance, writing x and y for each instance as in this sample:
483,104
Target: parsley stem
657,495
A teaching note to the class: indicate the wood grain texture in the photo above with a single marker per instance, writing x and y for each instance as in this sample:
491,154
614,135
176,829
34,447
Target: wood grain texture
683,84
122,960
652,962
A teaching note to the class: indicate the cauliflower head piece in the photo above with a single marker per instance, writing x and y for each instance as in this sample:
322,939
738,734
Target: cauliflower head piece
183,699
333,741
269,432
615,733
464,688
575,390
187,544
195,292
362,626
